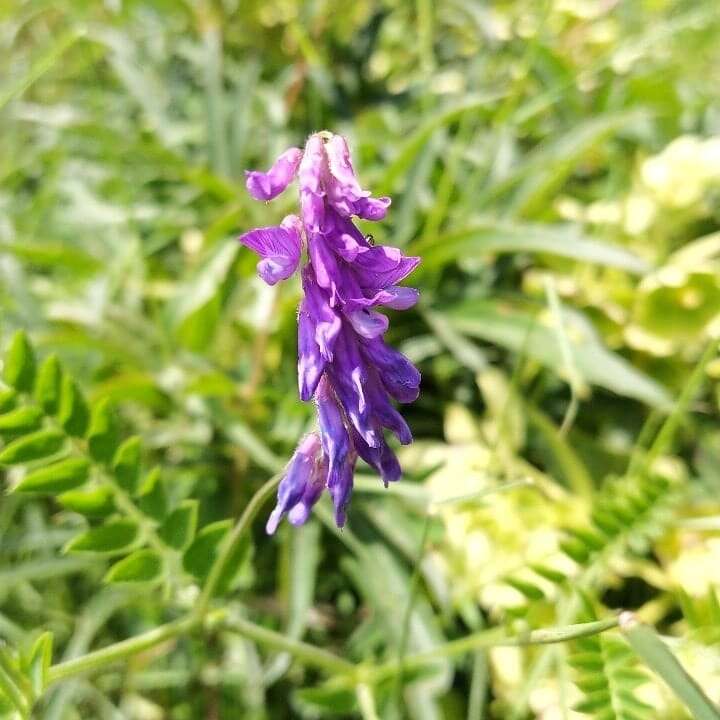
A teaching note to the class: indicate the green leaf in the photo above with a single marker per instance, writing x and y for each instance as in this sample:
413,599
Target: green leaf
196,310
520,332
45,59
103,435
113,537
199,557
38,663
151,496
140,566
7,399
47,387
20,421
562,456
416,143
19,366
56,478
37,445
126,464
552,162
530,591
179,527
94,502
10,691
330,698
505,237
73,411
653,651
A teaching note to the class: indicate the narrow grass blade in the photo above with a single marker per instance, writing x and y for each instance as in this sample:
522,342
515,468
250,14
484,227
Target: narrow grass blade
658,657
42,65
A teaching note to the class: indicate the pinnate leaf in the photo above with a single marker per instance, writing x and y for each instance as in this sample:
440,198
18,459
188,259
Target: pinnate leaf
47,387
126,464
73,411
93,502
56,478
103,436
112,537
151,496
37,445
19,367
180,525
199,557
20,421
139,566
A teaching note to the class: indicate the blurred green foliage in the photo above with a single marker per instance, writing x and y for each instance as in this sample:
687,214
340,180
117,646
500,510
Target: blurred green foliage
557,166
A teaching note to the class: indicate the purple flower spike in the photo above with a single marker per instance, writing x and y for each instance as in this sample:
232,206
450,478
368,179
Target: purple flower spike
343,360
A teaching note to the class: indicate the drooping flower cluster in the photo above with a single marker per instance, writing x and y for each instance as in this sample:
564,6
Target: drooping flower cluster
343,360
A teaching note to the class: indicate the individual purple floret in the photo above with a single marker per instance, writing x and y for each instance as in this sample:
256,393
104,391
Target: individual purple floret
343,361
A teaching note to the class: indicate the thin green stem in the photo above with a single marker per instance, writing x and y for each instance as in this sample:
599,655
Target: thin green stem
366,701
478,686
126,648
125,503
121,650
407,616
495,638
230,542
311,655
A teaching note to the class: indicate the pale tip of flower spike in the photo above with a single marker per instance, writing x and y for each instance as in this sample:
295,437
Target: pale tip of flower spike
273,521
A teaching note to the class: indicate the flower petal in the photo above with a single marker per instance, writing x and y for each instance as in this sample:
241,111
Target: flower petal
300,512
381,458
279,248
395,297
382,265
312,174
337,448
399,376
324,263
368,323
310,361
384,411
266,186
372,208
294,484
326,321
348,374
400,298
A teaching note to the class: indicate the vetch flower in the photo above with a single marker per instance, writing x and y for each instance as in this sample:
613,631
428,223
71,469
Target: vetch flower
344,363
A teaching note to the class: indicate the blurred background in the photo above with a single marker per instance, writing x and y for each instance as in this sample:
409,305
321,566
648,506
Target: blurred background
557,166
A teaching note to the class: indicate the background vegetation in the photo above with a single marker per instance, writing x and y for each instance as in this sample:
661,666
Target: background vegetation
557,165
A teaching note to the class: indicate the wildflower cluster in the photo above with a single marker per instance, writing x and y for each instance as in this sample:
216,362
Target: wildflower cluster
344,363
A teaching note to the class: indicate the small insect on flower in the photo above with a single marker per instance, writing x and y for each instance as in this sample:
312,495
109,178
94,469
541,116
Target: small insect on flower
344,363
